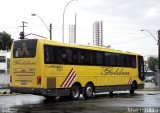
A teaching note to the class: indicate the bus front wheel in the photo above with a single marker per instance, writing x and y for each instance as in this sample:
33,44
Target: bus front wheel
75,92
88,91
133,87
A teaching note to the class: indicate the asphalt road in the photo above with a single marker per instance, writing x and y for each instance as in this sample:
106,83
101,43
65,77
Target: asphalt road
121,102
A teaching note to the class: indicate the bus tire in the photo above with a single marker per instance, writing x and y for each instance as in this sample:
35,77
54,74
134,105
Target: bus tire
75,92
88,91
133,87
111,93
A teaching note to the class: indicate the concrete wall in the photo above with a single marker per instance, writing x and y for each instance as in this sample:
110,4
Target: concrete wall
4,79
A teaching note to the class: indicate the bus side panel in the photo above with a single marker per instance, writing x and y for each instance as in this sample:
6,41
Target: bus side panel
64,75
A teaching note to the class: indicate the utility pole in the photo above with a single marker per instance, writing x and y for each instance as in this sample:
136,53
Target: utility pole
159,50
50,31
22,33
23,26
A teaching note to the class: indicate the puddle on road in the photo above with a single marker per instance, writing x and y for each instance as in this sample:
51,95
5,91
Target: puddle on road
118,95
25,103
153,94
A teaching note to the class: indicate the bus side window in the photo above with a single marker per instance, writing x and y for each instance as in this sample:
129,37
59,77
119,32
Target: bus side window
119,60
112,59
75,56
46,55
83,57
93,58
63,55
107,59
58,55
99,57
69,56
126,60
133,61
49,54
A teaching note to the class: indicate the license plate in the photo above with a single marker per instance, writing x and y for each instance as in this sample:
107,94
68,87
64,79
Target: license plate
24,82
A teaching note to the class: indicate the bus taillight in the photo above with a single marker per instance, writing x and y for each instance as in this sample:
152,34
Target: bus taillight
38,79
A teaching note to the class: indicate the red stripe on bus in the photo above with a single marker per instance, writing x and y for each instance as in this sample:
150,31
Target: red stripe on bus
130,81
69,78
66,77
72,79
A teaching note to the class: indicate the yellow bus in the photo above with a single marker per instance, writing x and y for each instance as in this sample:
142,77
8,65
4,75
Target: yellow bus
51,69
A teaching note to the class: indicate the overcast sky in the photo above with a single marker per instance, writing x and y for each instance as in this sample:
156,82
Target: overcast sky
122,21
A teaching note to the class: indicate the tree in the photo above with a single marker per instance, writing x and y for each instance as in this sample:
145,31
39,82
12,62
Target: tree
152,63
5,41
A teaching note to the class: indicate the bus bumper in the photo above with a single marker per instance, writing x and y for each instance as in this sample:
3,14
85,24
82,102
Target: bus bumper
41,91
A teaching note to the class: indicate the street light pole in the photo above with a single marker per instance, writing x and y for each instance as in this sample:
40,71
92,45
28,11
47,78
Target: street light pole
50,31
50,27
63,18
159,50
158,43
150,34
157,74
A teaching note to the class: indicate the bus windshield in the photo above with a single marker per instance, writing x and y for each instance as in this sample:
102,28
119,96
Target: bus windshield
24,48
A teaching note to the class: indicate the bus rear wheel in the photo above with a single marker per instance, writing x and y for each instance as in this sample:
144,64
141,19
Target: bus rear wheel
75,92
88,91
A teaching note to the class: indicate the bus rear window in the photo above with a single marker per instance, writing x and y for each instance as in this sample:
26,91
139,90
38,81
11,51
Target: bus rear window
24,48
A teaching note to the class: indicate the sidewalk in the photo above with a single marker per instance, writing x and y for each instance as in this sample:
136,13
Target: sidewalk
149,86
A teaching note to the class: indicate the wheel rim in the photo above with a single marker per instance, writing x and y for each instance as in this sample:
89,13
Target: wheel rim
133,86
89,91
75,93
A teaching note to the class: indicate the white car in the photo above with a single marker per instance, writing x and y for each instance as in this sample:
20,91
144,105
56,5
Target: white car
150,79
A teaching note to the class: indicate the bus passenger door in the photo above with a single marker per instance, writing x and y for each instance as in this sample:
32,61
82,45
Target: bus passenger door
141,68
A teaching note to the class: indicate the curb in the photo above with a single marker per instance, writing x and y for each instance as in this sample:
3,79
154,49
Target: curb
5,93
148,89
